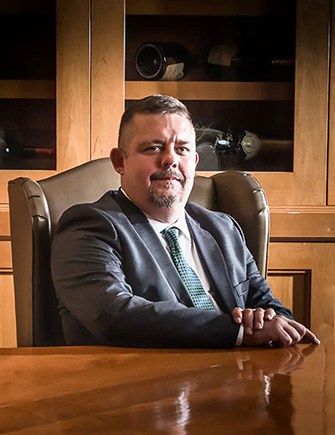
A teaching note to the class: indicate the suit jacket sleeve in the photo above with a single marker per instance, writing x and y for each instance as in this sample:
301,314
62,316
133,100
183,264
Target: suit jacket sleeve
229,262
91,267
116,283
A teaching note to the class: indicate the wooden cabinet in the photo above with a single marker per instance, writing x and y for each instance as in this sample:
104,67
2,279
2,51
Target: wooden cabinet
297,108
66,89
331,153
265,106
294,115
302,274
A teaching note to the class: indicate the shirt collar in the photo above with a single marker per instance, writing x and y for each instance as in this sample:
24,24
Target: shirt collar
159,226
181,224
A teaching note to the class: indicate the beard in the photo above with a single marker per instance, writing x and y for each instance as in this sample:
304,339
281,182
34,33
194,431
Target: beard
165,197
162,200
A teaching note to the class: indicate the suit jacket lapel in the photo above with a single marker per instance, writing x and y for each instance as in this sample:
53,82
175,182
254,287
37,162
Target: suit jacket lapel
148,235
215,265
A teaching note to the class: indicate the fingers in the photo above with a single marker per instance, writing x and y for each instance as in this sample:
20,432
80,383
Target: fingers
252,318
269,314
292,332
284,332
298,332
279,331
248,320
237,314
287,332
310,337
261,315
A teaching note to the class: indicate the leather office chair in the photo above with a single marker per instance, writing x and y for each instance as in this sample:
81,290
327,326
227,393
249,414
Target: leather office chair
36,206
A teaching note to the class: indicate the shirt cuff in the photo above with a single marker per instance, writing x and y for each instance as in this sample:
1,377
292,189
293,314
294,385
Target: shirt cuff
239,338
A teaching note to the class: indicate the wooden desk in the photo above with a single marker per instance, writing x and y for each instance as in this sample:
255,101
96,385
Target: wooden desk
93,390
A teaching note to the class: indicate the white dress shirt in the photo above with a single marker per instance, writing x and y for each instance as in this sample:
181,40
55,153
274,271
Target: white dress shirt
190,253
192,257
188,248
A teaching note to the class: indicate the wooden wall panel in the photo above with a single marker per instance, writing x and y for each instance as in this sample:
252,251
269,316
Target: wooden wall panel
282,287
303,223
293,288
5,254
331,153
318,260
108,74
73,83
7,311
4,220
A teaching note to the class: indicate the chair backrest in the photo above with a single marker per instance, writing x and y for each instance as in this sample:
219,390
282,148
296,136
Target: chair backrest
36,206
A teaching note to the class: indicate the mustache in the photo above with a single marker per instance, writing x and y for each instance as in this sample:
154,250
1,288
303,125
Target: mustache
170,173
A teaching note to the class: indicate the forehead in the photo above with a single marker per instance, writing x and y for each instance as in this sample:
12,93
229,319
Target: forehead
166,124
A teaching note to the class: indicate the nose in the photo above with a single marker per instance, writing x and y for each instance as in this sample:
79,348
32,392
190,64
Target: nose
169,159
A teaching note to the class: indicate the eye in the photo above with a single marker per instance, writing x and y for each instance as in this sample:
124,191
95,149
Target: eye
154,148
182,149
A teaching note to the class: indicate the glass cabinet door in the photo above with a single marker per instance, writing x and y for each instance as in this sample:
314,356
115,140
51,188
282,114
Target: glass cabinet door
27,85
239,65
256,84
44,107
44,88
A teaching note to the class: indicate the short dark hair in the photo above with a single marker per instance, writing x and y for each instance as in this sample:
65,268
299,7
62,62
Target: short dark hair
153,104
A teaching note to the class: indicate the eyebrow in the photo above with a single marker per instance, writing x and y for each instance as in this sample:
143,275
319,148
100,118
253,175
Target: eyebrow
162,142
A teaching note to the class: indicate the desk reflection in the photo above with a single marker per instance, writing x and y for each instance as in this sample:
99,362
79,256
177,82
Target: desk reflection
254,389
143,391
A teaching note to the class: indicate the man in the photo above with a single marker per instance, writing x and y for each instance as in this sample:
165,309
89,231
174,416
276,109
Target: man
113,264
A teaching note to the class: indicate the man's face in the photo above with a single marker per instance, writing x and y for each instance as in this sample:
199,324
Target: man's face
159,162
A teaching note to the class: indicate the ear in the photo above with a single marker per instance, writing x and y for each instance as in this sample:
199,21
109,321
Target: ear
196,158
117,159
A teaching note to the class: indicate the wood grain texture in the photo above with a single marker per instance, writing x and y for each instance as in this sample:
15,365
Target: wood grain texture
4,221
5,255
31,89
303,223
73,83
144,391
108,72
7,310
319,259
331,154
193,90
210,7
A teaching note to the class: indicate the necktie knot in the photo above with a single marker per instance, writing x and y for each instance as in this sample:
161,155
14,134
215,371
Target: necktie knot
171,232
171,235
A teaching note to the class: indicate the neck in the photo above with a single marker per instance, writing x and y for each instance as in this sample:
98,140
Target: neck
167,215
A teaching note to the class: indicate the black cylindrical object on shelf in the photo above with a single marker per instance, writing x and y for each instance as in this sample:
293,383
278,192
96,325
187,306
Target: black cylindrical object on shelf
163,61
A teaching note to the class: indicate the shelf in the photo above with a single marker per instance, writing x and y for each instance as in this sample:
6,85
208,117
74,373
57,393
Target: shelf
31,89
242,91
27,7
210,7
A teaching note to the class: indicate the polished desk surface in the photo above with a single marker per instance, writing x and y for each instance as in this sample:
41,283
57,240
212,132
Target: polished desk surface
92,390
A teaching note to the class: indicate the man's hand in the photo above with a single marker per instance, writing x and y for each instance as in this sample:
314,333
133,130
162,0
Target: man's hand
280,331
252,319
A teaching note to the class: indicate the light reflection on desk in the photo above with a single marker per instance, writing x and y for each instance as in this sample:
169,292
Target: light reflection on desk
107,390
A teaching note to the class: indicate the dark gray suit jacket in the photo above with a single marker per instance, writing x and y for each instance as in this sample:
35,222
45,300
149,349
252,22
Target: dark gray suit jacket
117,284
